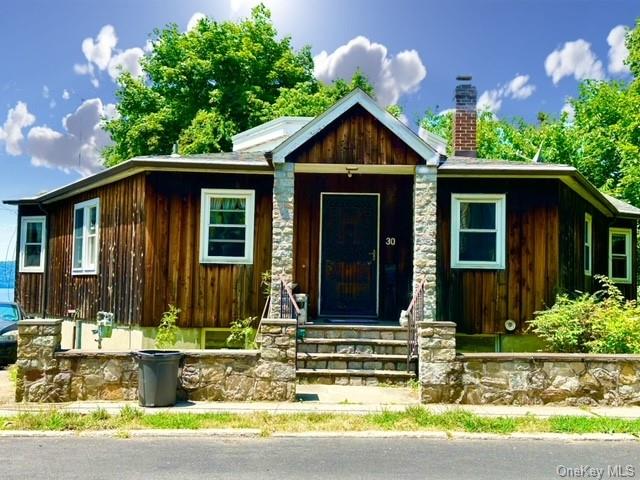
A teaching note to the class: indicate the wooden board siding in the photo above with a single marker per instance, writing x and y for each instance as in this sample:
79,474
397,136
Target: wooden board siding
356,137
480,301
118,286
572,276
396,220
28,286
209,295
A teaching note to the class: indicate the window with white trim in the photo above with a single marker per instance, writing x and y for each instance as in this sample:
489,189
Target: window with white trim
588,239
33,234
226,226
620,255
86,229
478,230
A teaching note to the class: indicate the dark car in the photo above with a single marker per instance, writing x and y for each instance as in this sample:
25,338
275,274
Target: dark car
10,314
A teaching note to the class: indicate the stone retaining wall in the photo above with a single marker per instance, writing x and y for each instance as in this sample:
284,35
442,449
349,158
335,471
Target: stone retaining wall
46,374
521,378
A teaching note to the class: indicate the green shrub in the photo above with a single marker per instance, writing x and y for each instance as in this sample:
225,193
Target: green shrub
167,335
243,334
602,322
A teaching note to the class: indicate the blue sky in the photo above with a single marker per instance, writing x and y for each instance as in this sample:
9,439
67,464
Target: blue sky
59,59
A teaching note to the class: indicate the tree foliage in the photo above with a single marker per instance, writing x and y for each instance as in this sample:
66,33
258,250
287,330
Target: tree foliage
602,140
203,86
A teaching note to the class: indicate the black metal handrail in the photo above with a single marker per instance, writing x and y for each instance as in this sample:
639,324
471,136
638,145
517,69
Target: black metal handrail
415,314
288,306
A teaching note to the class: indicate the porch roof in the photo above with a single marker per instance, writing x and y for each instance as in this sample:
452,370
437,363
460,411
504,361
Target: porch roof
480,167
228,162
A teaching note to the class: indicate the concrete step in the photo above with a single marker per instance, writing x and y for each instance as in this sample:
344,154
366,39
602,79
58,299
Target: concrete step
355,331
353,377
352,361
353,345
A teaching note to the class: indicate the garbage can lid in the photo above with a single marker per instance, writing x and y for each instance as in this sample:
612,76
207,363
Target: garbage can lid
158,354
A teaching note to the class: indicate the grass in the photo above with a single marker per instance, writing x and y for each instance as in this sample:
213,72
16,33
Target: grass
412,419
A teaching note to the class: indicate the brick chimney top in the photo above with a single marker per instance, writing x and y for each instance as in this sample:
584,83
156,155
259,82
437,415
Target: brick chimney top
464,124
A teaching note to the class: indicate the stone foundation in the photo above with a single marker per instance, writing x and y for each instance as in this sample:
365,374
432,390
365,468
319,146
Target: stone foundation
522,378
46,374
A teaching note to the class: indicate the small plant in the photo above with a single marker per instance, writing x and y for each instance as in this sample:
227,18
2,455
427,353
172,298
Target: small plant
602,322
265,282
13,374
243,334
167,335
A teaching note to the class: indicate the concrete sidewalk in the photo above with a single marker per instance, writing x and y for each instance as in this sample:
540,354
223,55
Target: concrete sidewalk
333,399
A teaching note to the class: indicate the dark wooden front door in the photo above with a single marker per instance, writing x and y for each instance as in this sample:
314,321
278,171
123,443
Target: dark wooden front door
349,255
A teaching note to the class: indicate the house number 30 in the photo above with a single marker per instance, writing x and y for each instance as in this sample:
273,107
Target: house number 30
391,241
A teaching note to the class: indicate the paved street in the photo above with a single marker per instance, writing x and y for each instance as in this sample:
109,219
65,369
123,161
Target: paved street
308,458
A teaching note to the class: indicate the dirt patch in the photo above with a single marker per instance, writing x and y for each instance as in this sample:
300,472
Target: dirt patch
7,389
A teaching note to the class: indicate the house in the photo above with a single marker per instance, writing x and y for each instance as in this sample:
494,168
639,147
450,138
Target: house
352,208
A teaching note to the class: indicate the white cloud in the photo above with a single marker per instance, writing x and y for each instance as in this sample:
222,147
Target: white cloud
391,76
45,91
193,21
101,54
127,61
78,146
574,58
99,51
490,100
618,51
518,88
18,118
65,94
83,68
52,103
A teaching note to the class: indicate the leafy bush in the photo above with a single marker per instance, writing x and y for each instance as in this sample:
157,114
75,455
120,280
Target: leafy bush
167,330
243,334
602,322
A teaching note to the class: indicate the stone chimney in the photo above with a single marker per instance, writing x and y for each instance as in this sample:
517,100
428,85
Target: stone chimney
464,123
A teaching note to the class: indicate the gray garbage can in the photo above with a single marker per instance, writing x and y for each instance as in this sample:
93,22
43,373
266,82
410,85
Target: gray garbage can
157,377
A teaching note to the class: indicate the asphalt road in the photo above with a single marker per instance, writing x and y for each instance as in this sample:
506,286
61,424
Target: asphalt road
308,458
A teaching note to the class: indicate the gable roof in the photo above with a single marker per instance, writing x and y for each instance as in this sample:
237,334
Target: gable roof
228,162
479,167
356,97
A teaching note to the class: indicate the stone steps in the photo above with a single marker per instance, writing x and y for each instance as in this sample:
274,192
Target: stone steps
353,355
378,332
353,345
351,361
353,376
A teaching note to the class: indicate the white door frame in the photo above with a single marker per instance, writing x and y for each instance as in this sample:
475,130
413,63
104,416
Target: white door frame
377,195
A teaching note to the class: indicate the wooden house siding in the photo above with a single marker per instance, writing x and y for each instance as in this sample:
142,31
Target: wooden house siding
480,301
396,221
119,283
572,276
28,286
356,137
209,295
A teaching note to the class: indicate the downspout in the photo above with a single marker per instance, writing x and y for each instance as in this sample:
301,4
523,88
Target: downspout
44,295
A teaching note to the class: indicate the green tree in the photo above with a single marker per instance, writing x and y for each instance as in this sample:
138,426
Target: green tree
203,86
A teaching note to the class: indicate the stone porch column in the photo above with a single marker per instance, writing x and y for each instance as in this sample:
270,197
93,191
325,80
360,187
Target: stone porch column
37,379
424,235
282,231
437,361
